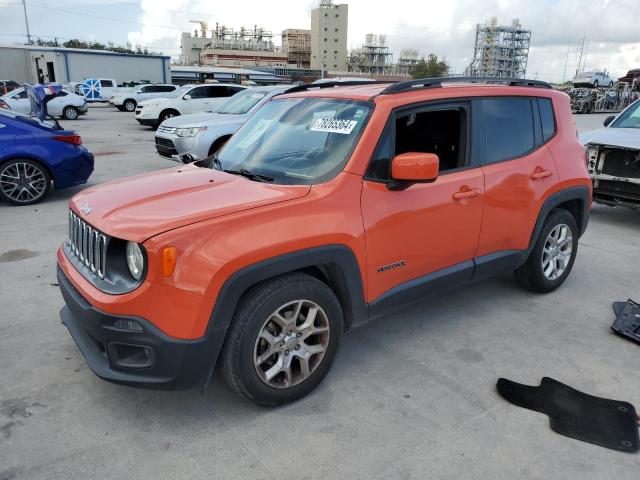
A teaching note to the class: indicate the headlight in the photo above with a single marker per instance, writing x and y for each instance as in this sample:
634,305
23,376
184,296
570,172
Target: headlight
135,260
189,132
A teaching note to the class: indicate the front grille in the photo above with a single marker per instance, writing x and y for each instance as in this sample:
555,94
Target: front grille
164,129
165,142
88,245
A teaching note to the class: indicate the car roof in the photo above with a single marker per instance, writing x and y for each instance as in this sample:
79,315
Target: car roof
448,89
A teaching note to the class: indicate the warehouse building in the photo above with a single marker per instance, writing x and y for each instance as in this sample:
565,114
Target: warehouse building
35,64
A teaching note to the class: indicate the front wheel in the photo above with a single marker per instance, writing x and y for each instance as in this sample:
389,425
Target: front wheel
130,105
283,339
23,181
70,113
553,255
165,115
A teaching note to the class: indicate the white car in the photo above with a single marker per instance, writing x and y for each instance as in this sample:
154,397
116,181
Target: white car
593,78
614,159
67,105
128,99
186,99
199,135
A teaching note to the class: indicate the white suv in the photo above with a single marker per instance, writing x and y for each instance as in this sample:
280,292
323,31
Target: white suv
128,100
187,99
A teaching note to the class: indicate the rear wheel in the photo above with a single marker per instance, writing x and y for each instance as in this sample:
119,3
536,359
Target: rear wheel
283,339
70,113
23,181
130,105
553,255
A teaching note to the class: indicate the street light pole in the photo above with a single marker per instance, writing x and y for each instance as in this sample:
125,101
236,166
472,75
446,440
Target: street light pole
26,20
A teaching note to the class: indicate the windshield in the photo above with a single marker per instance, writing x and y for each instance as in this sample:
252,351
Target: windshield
297,140
241,102
178,92
630,118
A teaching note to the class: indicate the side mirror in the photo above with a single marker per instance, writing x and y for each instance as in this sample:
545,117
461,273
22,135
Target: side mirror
413,167
187,97
608,120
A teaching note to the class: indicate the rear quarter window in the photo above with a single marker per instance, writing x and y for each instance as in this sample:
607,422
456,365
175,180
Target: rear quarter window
547,118
508,128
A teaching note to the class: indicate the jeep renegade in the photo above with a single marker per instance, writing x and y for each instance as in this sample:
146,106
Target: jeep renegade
332,205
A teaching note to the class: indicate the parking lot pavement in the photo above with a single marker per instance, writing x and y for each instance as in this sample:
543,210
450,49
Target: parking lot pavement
410,396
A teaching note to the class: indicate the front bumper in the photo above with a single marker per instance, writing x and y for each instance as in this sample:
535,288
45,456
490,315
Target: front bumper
147,122
145,358
171,144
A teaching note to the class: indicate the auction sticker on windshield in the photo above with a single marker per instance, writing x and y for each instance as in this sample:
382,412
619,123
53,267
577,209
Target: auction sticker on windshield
333,125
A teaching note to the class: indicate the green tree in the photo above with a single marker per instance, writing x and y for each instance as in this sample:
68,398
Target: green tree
429,67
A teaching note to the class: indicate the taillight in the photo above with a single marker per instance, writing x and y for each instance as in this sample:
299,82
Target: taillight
72,139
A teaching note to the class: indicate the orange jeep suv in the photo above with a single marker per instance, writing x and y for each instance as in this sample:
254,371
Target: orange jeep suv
334,204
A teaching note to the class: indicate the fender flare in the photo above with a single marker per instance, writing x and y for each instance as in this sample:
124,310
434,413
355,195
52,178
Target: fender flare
338,264
580,194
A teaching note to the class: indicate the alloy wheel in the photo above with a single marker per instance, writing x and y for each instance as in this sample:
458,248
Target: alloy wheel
70,113
130,106
557,250
23,182
291,344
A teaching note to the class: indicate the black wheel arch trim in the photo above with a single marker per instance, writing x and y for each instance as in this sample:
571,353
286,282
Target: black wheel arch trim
337,262
578,193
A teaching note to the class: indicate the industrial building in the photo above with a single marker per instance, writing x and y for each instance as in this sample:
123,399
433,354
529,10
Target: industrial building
329,36
296,44
34,64
373,57
500,51
224,46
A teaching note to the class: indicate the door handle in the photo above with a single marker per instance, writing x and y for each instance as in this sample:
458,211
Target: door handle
464,194
539,174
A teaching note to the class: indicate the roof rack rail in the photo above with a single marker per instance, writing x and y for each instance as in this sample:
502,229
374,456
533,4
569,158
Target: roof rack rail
348,83
436,82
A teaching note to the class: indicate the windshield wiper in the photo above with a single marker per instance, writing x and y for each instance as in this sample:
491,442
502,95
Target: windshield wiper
250,175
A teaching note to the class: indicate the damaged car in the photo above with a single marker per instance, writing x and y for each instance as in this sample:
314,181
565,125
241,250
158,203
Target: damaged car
614,159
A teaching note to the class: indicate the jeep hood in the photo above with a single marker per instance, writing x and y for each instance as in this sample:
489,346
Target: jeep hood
614,137
140,207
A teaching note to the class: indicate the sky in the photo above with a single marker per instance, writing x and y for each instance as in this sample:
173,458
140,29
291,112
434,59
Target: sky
445,28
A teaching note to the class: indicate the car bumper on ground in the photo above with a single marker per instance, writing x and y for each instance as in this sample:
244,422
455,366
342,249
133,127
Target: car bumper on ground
132,351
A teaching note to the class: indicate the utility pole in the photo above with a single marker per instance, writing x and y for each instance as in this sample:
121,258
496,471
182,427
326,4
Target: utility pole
580,58
564,75
26,20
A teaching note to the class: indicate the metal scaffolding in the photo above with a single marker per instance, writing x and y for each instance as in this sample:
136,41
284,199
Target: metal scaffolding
256,39
373,57
500,51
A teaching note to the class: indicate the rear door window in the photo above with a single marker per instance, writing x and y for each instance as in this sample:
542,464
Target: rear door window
508,127
106,83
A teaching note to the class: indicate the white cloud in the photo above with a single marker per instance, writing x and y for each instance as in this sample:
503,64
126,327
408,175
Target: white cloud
444,28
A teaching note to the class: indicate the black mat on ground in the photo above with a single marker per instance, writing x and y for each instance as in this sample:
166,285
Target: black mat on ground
627,322
609,423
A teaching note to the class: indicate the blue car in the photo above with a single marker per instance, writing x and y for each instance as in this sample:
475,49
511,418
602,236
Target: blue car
33,153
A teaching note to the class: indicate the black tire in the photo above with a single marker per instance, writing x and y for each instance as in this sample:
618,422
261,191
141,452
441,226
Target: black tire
129,105
256,306
611,84
33,168
70,113
167,114
531,275
217,145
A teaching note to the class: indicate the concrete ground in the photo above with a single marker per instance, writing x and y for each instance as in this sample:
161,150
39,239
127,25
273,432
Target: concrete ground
409,397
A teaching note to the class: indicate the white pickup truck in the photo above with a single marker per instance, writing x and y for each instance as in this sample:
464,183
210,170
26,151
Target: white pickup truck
97,89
